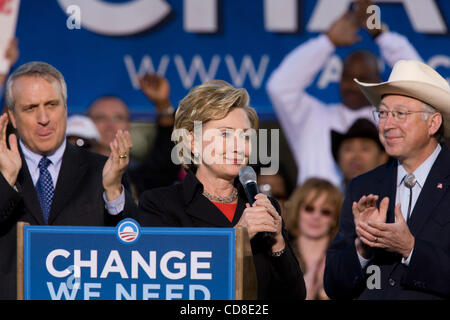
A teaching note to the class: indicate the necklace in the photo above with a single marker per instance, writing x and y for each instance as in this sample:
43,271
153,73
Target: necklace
232,197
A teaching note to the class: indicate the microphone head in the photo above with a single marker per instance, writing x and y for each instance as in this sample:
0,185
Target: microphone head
410,180
246,175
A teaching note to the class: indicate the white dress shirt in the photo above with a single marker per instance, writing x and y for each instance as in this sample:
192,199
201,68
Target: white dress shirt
402,195
306,121
32,159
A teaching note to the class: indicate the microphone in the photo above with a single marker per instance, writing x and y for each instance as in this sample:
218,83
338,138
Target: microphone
247,177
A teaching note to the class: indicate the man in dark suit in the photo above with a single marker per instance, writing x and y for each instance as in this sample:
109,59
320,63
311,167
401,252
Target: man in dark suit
43,179
394,230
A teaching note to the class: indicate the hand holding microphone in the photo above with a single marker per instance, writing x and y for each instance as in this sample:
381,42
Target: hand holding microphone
260,216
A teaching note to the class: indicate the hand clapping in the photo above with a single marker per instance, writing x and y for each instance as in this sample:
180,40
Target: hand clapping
10,160
373,231
116,164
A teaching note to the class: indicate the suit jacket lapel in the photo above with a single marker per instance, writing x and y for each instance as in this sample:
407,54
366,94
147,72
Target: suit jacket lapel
28,191
72,171
435,187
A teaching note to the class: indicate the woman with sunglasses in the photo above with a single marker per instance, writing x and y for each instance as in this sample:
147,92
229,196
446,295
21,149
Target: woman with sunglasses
312,215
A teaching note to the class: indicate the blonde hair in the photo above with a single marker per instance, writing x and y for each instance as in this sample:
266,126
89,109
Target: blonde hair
300,195
212,100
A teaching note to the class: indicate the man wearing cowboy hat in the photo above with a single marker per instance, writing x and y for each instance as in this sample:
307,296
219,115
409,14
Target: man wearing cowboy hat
393,240
358,150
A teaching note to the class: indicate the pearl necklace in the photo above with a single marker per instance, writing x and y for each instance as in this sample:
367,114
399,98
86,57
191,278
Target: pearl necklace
232,197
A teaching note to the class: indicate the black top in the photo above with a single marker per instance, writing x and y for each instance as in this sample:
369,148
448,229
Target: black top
183,205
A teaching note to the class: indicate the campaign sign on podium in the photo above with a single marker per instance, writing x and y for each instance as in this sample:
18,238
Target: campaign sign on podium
128,262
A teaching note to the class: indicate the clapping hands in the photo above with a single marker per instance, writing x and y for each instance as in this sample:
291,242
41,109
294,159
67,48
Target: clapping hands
10,160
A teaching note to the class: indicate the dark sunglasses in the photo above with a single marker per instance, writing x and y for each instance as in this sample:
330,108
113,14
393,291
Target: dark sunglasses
311,209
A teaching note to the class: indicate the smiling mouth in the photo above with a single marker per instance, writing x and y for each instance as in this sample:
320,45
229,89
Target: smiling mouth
234,160
392,138
44,134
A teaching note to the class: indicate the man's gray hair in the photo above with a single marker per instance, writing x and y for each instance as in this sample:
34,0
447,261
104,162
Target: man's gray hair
35,69
429,109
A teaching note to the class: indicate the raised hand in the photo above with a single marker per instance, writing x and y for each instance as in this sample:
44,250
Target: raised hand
344,31
116,165
394,237
10,161
12,52
365,211
157,89
362,16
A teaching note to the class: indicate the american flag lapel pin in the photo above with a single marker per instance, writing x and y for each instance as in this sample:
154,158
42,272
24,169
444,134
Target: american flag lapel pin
439,186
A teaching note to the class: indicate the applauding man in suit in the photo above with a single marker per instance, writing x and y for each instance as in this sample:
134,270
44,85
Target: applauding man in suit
43,179
393,240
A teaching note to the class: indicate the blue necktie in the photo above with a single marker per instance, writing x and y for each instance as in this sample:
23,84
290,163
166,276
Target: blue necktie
44,188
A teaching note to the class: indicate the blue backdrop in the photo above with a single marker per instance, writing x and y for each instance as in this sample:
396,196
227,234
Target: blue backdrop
239,44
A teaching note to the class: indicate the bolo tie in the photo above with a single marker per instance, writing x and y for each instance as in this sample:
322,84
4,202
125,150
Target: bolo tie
409,181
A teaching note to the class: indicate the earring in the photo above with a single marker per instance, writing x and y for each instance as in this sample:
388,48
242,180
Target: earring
196,157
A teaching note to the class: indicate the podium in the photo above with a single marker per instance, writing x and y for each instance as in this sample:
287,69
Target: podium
134,263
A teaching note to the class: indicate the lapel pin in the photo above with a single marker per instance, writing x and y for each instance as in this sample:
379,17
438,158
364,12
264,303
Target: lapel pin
439,186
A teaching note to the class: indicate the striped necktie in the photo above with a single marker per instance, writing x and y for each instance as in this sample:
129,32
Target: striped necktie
44,188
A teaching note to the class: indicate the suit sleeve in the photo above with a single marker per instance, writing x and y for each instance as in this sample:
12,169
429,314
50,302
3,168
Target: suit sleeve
433,277
130,209
344,277
286,276
8,200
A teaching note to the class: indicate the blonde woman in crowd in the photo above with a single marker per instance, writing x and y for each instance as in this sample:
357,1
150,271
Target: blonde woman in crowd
312,215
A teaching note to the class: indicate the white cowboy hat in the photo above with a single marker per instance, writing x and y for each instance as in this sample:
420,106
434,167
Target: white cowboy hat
417,80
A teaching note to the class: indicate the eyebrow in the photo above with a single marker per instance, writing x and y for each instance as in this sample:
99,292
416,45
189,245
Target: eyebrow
31,105
52,101
397,105
37,104
230,128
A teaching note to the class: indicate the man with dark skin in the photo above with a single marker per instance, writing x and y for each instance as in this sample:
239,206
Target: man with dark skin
307,121
359,64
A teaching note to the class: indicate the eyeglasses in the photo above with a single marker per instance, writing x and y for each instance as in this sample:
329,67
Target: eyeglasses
310,209
400,115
